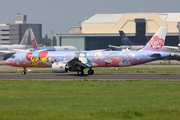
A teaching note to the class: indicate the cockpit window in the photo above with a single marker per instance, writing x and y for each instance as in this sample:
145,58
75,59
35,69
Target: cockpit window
13,56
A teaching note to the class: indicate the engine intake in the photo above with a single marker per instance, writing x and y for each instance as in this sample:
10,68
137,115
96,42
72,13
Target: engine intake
59,67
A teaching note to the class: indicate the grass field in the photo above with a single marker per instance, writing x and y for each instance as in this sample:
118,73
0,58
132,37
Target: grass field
89,100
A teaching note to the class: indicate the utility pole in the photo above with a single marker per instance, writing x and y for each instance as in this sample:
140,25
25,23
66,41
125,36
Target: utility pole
52,31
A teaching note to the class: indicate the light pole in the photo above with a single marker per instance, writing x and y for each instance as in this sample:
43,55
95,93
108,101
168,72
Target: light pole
52,31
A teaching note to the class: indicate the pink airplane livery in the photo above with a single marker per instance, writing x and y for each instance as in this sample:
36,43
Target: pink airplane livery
77,61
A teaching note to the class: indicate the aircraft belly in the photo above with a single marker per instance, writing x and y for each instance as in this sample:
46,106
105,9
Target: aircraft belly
19,64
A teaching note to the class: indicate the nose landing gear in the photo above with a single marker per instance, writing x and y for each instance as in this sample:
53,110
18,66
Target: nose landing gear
24,71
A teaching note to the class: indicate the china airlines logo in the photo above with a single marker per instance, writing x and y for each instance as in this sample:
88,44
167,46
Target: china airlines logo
156,42
25,39
34,43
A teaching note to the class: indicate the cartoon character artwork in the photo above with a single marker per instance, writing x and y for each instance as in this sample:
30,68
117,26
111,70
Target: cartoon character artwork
83,59
156,42
114,61
118,60
39,59
98,55
49,61
125,60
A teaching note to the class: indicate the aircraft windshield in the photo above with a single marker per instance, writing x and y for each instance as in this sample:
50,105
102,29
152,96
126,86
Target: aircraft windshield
13,56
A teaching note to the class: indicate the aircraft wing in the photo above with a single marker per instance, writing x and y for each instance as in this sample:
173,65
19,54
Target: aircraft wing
7,52
39,50
111,46
176,54
76,62
18,50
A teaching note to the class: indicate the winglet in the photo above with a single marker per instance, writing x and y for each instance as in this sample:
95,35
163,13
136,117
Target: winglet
125,40
33,39
156,43
24,40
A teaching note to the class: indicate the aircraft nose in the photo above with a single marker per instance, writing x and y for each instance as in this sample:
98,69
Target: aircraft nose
8,62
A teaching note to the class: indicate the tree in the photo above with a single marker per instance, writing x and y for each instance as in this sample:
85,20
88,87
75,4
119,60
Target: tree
47,41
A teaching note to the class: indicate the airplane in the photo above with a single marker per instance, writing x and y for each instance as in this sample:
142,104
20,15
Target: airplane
77,61
176,54
6,51
128,45
49,48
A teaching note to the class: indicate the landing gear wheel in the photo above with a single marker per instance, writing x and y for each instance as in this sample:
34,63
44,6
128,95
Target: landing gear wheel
23,72
80,72
90,72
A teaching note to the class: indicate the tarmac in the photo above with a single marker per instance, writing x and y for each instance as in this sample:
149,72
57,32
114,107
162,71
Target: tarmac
95,76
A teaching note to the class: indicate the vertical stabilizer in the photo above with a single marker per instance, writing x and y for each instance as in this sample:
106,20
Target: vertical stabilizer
156,43
33,39
179,30
125,40
24,40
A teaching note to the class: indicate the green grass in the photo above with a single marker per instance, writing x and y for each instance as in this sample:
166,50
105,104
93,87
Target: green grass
114,70
89,100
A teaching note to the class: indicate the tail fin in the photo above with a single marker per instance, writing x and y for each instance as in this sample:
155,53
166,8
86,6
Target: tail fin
24,40
125,40
33,39
179,30
156,43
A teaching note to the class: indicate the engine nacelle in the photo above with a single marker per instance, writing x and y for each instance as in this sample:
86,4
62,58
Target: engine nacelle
59,67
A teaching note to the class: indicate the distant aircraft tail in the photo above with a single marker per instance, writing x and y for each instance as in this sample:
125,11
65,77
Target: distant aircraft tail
156,43
33,39
125,40
24,40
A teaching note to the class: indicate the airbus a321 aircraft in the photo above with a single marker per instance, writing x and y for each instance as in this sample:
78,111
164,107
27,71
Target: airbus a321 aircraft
77,61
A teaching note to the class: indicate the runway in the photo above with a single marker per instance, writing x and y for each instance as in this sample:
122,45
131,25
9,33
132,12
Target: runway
97,76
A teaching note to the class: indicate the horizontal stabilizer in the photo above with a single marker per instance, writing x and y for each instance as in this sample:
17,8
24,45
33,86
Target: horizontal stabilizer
155,56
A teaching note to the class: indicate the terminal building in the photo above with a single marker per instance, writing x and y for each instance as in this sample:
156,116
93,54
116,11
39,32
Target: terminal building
100,30
13,33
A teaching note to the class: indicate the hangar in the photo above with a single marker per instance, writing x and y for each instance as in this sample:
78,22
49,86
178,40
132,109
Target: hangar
100,30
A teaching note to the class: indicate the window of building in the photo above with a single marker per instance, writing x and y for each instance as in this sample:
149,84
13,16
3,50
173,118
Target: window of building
5,34
4,30
5,39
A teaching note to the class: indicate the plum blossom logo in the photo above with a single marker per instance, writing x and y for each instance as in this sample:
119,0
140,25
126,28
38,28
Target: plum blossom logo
25,39
34,43
156,42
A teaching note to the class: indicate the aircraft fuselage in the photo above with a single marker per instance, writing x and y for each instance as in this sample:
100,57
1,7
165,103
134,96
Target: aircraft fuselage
90,58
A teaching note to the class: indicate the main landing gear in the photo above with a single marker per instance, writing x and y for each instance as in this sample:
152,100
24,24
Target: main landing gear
90,71
81,72
24,71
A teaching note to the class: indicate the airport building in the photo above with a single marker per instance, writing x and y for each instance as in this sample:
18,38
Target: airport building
13,33
100,30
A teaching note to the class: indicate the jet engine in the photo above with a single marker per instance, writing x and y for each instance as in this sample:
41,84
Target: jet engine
59,67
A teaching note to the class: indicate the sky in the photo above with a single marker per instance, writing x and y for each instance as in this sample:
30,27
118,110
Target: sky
59,15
